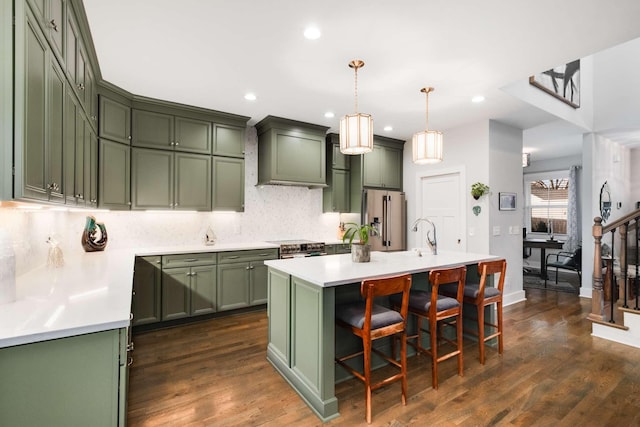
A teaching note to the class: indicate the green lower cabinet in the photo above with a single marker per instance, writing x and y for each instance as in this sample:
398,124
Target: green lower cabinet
188,291
74,381
258,289
233,285
147,290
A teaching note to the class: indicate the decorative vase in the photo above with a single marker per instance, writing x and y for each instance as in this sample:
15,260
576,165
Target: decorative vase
94,236
360,252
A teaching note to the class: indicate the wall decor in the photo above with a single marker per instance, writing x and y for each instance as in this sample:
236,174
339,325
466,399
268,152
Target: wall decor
605,202
507,201
563,82
94,236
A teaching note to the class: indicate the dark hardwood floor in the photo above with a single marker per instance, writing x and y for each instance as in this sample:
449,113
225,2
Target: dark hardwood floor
552,373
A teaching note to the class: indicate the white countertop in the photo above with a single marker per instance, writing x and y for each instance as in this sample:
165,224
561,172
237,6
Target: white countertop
90,293
334,270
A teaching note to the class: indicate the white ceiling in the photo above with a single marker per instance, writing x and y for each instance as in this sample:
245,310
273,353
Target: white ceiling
210,53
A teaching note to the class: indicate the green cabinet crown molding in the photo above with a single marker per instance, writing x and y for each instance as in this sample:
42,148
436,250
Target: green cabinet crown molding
291,152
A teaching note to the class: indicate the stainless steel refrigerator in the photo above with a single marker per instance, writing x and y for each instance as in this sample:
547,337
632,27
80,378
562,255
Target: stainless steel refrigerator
386,211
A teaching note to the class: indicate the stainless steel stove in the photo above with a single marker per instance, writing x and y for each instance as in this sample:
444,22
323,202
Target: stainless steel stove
300,248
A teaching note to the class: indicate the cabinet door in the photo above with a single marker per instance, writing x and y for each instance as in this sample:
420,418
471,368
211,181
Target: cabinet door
192,182
203,290
55,142
372,174
79,177
258,278
341,185
192,135
55,23
69,149
391,168
339,160
115,121
151,179
176,293
70,52
228,184
153,130
115,175
91,166
90,97
35,80
233,286
228,140
147,283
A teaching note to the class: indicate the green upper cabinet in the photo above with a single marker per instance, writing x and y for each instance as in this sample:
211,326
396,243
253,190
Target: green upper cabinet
336,160
115,120
291,152
336,197
228,140
228,184
157,130
51,16
382,168
79,68
162,179
115,175
44,97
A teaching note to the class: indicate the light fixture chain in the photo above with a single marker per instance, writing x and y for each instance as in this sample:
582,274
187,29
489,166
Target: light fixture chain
356,89
427,110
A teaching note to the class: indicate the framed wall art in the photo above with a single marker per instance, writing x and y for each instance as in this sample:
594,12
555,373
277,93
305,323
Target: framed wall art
507,201
563,82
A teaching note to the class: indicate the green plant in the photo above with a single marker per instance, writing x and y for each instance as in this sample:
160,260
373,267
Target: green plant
361,231
479,189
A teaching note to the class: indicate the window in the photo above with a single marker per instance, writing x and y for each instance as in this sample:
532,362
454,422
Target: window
547,203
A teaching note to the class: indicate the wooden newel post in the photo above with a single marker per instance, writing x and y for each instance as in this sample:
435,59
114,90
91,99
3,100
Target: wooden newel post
597,295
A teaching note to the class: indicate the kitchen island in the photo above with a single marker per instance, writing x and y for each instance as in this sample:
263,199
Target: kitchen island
303,293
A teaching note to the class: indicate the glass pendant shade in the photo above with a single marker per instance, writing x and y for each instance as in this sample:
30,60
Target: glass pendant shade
356,134
427,147
428,144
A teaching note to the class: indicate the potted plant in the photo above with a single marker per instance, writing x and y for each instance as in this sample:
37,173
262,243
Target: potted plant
479,189
360,250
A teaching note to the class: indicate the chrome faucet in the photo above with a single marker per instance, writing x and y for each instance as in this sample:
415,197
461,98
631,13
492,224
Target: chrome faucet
432,243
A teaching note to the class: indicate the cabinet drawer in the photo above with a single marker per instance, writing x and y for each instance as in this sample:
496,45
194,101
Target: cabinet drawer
244,256
189,260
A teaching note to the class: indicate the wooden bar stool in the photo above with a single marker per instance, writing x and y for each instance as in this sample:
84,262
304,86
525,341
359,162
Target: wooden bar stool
370,322
438,310
481,296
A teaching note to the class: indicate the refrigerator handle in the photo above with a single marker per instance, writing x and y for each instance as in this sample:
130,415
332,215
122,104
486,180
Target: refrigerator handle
388,229
363,209
385,219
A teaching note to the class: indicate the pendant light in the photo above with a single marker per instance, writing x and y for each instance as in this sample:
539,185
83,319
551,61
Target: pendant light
356,130
427,145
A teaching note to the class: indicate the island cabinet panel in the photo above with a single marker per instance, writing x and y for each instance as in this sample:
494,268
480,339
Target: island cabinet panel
228,140
74,381
228,184
115,120
278,349
147,290
291,152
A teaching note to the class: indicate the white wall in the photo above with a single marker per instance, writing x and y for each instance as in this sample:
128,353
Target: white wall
505,175
635,176
466,149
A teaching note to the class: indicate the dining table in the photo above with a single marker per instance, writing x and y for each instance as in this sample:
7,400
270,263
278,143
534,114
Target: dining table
543,245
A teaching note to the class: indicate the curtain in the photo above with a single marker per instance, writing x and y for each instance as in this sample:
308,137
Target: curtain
573,234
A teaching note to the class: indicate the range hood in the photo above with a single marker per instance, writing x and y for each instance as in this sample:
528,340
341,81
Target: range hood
291,153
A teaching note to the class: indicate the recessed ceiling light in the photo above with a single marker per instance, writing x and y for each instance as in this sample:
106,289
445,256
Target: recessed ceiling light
388,128
250,97
329,114
312,33
477,99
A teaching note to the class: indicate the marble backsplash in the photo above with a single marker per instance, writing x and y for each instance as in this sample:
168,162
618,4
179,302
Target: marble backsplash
271,213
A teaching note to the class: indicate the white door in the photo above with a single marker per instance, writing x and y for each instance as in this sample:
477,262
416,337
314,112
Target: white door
442,201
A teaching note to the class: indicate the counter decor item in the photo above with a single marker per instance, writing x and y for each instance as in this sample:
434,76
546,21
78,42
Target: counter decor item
55,258
7,269
479,189
209,237
360,250
94,236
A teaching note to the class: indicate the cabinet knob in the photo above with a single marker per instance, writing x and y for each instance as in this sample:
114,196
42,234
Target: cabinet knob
177,142
130,361
129,203
129,137
172,143
81,86
54,26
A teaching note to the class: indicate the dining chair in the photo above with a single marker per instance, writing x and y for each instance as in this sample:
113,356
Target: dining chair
481,295
438,311
371,321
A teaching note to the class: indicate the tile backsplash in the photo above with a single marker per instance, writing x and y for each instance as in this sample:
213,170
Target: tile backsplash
271,213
